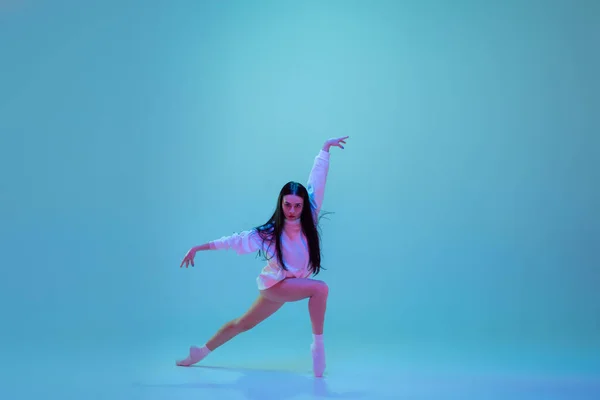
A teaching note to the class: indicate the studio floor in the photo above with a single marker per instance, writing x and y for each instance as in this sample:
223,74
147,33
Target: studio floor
95,373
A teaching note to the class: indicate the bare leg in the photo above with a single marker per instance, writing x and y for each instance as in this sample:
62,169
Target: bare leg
258,312
298,289
317,292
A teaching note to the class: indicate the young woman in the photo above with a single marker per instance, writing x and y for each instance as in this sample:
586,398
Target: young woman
290,242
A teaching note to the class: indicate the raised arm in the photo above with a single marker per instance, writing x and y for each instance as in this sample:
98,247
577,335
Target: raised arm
317,178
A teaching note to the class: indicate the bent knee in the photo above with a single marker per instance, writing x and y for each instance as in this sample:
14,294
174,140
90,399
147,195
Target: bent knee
321,288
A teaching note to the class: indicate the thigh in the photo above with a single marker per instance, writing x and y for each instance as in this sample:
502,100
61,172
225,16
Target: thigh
295,289
261,309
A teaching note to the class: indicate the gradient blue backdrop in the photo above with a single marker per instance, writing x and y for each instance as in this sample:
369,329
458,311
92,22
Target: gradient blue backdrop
466,202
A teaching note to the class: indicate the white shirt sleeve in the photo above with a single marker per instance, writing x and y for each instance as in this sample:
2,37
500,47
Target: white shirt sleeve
317,180
242,243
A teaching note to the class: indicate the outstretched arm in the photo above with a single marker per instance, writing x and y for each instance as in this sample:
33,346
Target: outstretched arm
243,243
318,174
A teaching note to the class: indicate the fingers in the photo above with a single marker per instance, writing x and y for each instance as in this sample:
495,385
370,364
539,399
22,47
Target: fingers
187,260
340,141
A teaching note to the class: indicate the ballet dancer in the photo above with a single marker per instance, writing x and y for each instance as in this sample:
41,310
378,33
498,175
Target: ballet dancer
290,243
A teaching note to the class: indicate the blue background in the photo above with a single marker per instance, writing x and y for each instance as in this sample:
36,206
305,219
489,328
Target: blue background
465,227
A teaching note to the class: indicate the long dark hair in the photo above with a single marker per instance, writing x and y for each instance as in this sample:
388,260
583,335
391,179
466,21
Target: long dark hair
271,231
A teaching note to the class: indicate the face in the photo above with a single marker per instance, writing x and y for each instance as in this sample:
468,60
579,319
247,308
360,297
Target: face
292,206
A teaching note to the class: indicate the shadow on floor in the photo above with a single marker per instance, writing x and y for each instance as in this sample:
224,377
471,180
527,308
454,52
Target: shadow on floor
255,384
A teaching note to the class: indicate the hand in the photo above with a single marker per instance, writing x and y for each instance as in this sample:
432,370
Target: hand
189,258
335,142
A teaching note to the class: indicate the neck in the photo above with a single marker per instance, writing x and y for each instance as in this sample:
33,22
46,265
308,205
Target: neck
292,224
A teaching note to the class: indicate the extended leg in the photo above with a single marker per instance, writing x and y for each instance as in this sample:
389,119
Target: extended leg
258,312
